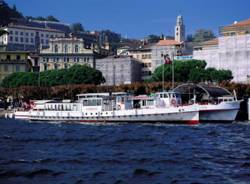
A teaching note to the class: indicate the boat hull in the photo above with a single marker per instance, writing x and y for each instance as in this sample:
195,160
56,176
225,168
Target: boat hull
221,113
182,115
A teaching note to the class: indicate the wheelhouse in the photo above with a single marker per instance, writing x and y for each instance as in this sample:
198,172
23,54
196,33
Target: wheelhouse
170,98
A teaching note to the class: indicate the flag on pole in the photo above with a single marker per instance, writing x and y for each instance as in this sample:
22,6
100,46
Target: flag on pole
167,60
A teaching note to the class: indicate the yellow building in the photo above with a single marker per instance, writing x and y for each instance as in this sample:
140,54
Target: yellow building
13,61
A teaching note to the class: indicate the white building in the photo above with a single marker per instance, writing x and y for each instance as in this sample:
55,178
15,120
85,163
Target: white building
65,52
27,38
230,51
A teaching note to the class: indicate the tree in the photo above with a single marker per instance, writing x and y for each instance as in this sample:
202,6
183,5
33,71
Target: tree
8,14
203,35
77,28
77,74
191,71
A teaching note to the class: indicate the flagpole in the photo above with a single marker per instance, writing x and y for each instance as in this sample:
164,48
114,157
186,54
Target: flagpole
173,72
162,73
163,80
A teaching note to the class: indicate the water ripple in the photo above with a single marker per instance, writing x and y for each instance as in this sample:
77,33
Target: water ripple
123,153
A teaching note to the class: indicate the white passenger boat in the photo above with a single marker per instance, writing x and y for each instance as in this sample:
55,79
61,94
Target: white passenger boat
215,104
118,107
224,110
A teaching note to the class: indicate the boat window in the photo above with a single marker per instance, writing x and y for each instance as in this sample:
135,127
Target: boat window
85,102
150,102
92,102
165,95
143,102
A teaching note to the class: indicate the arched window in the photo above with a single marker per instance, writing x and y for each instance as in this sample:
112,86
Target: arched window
76,48
56,48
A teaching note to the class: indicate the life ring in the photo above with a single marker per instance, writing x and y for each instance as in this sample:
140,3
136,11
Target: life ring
173,102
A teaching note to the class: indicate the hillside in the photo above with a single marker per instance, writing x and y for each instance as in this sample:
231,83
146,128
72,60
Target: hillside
8,14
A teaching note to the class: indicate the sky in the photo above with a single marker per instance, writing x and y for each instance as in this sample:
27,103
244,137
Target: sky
139,18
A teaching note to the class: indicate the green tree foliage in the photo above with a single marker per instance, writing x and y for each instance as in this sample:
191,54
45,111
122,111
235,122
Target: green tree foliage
191,71
77,74
203,35
8,14
77,28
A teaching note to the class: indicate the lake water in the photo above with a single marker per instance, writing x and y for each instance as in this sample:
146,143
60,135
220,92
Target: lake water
123,153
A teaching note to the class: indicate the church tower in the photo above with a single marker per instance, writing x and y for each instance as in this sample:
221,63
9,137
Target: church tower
180,29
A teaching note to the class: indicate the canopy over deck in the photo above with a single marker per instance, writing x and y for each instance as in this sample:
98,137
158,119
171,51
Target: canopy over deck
203,92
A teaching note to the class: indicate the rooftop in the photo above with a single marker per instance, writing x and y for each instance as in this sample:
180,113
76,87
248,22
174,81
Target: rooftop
32,28
214,41
241,23
168,43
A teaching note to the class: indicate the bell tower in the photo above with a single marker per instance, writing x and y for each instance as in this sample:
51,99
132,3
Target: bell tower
180,29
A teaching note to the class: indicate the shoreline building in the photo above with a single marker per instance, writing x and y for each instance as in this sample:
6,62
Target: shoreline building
151,55
14,61
31,35
66,52
144,56
119,70
230,51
